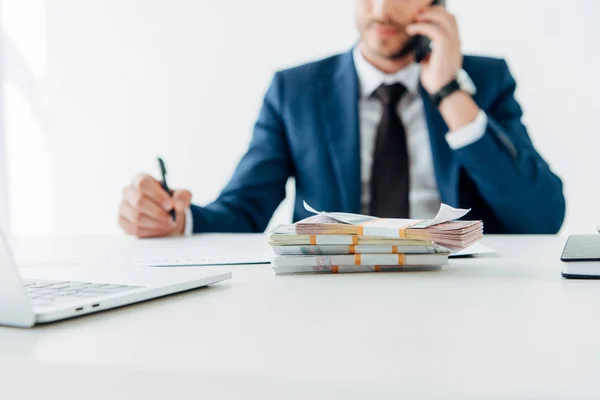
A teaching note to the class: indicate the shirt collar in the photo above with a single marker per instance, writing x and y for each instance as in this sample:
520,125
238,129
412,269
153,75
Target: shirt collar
370,78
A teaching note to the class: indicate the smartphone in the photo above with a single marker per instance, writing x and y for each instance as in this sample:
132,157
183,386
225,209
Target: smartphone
420,45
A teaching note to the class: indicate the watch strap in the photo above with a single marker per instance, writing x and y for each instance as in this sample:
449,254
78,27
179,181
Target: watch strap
444,92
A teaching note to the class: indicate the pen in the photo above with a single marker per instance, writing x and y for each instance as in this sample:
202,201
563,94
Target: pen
163,183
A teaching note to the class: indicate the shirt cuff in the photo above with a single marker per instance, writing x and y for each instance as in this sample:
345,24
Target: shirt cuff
468,134
188,229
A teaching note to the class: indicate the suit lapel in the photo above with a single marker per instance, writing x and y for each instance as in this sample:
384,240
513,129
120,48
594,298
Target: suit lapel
446,168
339,111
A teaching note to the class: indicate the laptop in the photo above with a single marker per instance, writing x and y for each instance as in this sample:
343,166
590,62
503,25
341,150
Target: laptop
47,293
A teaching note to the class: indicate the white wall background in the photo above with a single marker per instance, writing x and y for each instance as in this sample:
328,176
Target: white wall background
113,83
3,161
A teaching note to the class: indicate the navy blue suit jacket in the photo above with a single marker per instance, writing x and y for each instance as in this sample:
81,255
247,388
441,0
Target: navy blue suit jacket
308,129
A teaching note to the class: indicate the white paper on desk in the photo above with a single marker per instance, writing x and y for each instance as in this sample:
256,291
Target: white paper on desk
197,250
474,250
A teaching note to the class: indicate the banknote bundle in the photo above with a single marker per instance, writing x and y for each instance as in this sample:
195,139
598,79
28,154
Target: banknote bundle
341,242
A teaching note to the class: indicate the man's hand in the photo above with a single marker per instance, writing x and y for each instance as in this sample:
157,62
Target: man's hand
441,67
144,210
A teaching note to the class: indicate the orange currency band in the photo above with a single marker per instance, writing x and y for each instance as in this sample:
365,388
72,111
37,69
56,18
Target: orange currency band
313,240
357,259
355,240
378,268
405,228
401,259
394,249
335,269
352,249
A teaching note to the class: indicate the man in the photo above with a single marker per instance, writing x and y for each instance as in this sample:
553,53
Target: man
373,131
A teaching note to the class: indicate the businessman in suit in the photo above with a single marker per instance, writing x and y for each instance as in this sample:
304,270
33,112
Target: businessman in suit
372,131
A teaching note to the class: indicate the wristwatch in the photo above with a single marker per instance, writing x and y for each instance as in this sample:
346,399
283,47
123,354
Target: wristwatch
462,82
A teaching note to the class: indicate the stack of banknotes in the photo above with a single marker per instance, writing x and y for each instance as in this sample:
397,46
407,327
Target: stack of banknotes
340,242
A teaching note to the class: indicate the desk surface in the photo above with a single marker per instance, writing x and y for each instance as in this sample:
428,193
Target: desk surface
492,327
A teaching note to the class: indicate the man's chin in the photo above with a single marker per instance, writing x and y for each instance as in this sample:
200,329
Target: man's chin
391,54
385,50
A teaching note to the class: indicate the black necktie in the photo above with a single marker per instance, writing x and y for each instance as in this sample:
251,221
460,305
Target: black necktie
389,177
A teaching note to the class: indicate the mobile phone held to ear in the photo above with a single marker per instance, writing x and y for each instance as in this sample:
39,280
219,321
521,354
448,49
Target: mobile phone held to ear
421,45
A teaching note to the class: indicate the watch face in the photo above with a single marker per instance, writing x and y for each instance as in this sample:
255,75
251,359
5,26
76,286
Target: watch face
465,82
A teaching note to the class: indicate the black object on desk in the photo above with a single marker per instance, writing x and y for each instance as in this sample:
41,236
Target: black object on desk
581,257
163,183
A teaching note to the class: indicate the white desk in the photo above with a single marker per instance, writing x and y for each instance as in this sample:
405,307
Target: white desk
492,327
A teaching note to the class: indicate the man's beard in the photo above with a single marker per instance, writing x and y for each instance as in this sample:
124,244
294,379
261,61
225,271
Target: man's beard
405,50
408,48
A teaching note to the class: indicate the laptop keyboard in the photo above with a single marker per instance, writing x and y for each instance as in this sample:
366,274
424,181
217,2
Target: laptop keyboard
54,293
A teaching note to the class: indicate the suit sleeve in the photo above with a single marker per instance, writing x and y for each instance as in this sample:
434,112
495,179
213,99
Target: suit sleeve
511,176
257,186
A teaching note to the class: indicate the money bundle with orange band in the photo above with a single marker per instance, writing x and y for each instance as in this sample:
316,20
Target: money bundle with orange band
453,234
340,242
401,230
299,250
336,269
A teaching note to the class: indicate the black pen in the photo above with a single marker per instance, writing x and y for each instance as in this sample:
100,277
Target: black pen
163,183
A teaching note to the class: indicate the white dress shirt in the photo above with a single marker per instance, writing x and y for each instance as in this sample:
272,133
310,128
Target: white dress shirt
424,197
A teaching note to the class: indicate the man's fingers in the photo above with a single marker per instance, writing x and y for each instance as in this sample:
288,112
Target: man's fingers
433,32
182,199
141,220
441,17
179,223
151,188
145,205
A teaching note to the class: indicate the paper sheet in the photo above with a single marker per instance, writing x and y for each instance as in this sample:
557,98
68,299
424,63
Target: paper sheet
475,250
445,214
197,250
